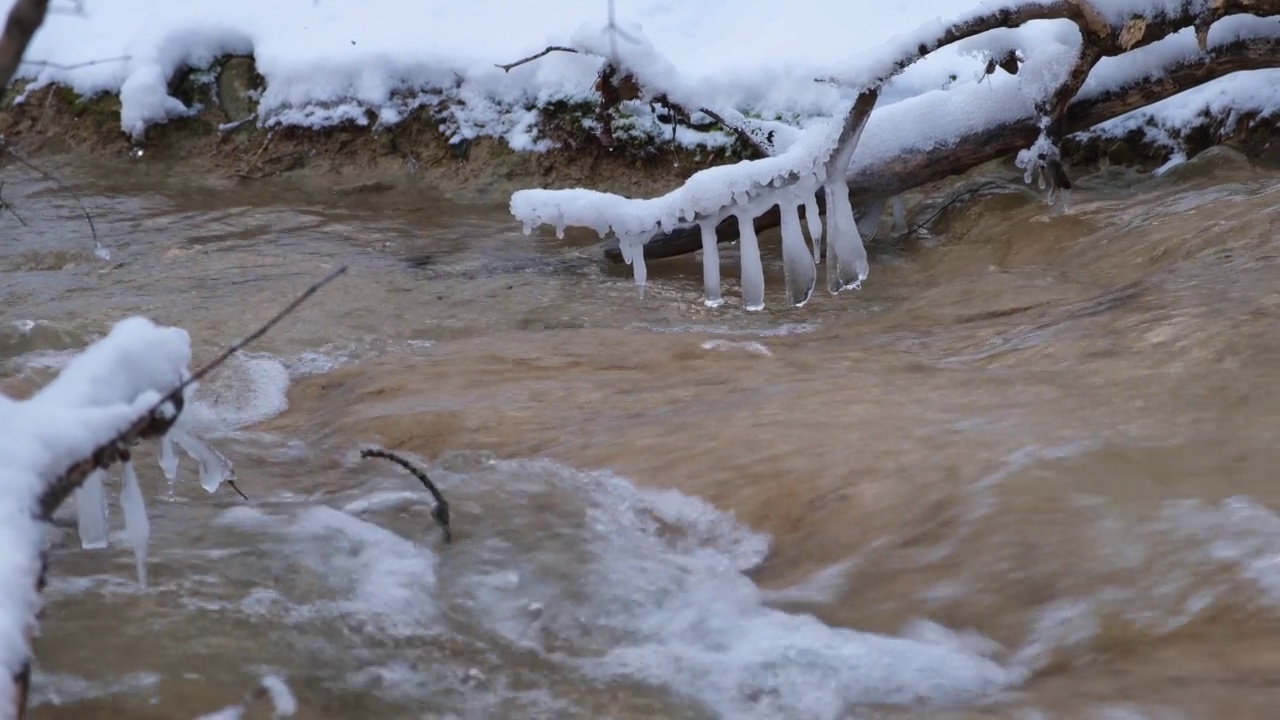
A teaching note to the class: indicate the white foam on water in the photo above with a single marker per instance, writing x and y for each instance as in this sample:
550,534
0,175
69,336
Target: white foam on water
750,346
374,573
49,688
249,389
649,586
765,332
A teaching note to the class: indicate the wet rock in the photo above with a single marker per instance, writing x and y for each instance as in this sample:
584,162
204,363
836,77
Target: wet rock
1120,153
362,188
237,85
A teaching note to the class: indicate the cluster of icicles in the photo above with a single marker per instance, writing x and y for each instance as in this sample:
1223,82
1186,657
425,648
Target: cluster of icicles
846,256
91,498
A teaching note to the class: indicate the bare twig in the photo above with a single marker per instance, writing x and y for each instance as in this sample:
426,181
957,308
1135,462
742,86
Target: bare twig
93,231
76,66
954,199
235,487
266,327
441,512
554,48
6,206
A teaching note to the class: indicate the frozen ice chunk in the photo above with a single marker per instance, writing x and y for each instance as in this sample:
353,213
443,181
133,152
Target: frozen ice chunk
801,275
91,506
752,267
137,527
168,459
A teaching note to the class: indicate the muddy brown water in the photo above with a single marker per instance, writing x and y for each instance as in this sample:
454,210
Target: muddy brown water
1029,471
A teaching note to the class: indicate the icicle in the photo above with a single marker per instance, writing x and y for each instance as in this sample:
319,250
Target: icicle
814,220
752,268
710,265
842,237
168,460
91,506
214,468
137,528
800,273
560,231
899,216
868,218
640,270
833,231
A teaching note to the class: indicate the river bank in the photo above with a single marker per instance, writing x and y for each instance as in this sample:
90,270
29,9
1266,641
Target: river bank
223,142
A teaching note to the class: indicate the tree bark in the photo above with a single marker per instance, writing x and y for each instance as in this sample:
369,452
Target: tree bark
25,19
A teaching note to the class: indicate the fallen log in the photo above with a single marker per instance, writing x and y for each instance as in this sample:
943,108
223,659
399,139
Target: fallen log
924,165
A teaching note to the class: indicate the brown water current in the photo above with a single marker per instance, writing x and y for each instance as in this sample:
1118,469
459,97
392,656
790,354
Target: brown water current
1029,471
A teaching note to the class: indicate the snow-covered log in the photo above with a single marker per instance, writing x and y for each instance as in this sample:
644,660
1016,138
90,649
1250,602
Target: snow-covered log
911,166
1075,63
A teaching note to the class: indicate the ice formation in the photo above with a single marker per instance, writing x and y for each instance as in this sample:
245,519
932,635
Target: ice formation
815,162
96,395
820,158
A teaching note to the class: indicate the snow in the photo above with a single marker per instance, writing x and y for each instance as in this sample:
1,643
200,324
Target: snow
96,395
349,61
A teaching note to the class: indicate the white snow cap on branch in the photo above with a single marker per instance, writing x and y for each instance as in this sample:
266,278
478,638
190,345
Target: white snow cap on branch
102,391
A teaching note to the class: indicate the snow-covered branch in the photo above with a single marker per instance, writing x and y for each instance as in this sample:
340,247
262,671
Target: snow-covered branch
129,386
901,163
1056,67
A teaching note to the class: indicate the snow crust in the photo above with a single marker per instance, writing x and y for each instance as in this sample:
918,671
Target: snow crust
96,395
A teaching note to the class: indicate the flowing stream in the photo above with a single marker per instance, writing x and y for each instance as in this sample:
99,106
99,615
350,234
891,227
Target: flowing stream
1029,471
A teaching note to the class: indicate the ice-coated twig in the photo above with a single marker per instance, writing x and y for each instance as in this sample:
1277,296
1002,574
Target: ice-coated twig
441,511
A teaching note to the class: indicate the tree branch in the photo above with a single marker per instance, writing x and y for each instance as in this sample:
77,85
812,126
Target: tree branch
24,20
553,48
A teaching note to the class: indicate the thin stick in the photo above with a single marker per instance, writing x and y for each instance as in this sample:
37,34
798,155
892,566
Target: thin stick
235,487
554,48
6,206
75,66
240,344
54,178
441,512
